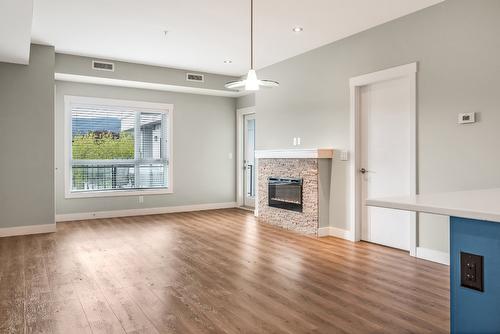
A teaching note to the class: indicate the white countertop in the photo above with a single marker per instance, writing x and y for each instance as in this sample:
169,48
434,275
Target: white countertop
475,204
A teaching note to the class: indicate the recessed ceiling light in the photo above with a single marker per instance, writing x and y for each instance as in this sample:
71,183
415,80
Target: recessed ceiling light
297,29
228,61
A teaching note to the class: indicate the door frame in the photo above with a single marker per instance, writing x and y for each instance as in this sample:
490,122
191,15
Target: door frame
240,118
355,84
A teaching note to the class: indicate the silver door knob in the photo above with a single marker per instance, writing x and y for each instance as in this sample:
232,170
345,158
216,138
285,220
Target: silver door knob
362,170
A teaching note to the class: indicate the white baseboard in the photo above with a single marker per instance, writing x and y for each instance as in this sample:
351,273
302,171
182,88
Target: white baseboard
246,208
433,255
324,231
25,230
330,231
142,212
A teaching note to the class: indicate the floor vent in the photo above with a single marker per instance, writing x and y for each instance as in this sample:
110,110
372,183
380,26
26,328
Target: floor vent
195,77
103,66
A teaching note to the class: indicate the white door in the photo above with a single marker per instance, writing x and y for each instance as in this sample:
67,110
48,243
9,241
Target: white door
249,160
386,157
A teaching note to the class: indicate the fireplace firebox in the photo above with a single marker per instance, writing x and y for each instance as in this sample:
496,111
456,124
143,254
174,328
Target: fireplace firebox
285,193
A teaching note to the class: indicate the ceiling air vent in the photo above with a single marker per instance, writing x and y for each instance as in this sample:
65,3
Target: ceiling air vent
195,77
103,66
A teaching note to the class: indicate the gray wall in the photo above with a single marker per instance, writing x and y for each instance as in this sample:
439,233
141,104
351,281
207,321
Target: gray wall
69,64
245,101
27,140
457,46
203,136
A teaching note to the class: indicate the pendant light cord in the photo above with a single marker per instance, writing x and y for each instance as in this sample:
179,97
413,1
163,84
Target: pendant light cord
251,34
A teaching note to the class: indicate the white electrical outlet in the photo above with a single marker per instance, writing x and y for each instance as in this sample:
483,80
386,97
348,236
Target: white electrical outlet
465,118
230,156
294,141
298,141
141,199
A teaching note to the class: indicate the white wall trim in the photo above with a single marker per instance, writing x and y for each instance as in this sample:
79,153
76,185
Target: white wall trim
331,231
324,231
25,230
355,83
142,212
433,255
240,114
311,153
383,75
145,85
246,208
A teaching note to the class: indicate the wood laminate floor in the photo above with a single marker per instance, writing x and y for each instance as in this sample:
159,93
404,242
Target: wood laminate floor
212,272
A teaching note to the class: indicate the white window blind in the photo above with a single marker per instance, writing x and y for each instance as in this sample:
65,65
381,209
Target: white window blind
118,147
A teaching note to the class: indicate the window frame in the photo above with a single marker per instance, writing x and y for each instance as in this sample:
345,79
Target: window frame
165,108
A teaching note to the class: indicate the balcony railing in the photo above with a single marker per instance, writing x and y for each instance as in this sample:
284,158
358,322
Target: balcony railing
117,176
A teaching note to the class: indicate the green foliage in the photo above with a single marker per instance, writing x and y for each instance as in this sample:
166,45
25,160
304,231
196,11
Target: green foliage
101,146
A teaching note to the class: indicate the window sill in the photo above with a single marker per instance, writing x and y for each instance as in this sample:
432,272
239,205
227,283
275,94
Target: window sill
117,193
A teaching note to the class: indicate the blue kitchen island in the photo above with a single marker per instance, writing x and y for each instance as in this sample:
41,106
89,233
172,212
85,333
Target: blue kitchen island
474,253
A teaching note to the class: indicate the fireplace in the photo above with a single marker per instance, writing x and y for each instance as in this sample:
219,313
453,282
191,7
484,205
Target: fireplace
306,198
285,193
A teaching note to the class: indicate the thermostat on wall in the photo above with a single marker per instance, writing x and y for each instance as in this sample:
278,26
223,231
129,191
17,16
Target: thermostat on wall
469,117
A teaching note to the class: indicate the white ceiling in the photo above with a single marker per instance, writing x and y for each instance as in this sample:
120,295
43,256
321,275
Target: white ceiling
15,30
203,33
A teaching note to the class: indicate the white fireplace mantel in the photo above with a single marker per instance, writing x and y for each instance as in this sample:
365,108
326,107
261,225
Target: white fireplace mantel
311,153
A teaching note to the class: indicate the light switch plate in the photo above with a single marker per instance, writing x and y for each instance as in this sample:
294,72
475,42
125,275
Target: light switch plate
344,155
465,118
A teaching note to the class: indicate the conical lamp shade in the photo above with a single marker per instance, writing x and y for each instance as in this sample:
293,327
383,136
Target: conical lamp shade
251,83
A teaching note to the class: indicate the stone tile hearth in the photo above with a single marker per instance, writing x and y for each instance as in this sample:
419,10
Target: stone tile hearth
314,168
305,222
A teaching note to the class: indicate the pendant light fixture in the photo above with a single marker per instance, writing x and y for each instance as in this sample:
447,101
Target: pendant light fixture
251,83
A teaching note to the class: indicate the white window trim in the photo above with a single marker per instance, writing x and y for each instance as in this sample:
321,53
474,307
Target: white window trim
168,109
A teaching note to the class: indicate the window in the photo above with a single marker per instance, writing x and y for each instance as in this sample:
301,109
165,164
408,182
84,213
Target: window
117,147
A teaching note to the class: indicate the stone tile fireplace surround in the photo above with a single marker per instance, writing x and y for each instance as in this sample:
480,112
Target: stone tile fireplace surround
313,166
